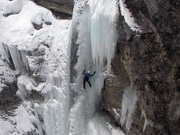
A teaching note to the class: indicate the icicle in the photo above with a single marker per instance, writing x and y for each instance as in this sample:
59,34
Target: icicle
103,30
128,106
97,30
143,114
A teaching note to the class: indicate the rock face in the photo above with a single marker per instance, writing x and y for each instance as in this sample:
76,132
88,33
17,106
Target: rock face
150,62
60,8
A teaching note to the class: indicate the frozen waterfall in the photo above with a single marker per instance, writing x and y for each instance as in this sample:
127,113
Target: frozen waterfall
42,58
95,45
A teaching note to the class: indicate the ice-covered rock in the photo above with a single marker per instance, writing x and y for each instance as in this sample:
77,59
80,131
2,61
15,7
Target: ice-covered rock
39,58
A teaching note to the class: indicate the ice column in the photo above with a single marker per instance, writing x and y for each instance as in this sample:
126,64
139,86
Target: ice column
104,15
56,105
15,57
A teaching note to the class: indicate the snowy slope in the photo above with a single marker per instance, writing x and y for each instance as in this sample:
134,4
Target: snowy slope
21,123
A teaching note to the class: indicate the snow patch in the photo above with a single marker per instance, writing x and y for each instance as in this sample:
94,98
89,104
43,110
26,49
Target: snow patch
10,7
20,26
117,113
25,86
128,17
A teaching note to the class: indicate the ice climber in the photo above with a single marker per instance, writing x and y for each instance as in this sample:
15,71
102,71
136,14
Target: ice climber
87,75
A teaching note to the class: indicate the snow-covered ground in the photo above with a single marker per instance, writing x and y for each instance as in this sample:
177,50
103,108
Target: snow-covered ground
26,27
19,124
37,46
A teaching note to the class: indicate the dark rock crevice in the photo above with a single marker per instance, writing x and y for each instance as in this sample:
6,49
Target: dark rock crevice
9,101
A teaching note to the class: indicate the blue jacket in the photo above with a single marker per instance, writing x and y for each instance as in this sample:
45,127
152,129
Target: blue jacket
87,75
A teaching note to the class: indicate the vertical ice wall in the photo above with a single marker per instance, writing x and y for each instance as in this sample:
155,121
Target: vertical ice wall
97,34
56,109
96,43
56,106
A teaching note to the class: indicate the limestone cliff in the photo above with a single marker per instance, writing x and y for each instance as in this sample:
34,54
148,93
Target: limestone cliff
148,60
